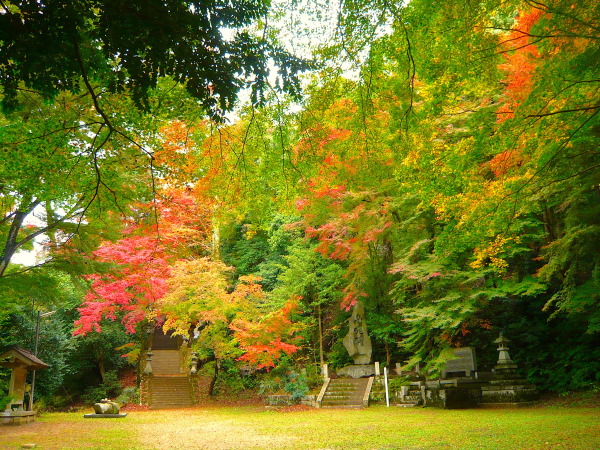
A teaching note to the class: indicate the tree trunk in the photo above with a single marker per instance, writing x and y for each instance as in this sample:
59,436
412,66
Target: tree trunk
321,358
50,218
216,239
11,245
387,354
102,368
211,387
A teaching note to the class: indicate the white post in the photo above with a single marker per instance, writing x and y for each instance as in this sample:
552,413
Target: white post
387,393
377,371
325,371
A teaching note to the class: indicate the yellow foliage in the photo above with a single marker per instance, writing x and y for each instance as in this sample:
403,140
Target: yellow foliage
491,252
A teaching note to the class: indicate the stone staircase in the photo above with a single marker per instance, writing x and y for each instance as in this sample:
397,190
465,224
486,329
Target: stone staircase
170,392
410,396
166,362
168,387
345,393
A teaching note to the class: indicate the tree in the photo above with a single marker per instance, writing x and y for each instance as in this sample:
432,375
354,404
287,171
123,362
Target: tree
82,55
65,175
230,325
143,259
59,46
318,283
487,127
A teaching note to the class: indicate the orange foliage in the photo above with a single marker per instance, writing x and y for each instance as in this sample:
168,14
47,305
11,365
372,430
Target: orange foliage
503,162
265,340
175,161
520,63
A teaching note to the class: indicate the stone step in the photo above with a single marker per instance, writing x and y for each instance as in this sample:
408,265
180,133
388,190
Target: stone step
170,381
345,393
166,362
354,406
171,405
341,391
331,401
170,392
341,406
340,398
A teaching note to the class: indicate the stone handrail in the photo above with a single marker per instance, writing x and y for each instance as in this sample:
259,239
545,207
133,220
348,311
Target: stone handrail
368,392
322,393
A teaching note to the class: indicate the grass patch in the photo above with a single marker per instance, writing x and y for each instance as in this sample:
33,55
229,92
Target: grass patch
377,427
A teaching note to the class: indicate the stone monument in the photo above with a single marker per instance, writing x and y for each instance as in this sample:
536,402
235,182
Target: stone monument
464,364
358,345
505,367
357,341
105,406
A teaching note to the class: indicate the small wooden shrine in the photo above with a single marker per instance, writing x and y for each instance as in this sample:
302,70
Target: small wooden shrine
20,361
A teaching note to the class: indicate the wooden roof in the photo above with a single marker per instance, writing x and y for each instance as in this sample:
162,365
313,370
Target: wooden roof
19,357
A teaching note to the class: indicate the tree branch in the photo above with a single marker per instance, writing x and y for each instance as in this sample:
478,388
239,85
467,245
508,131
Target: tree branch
590,108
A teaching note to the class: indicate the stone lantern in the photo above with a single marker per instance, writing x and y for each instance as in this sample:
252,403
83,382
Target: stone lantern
506,387
505,367
19,361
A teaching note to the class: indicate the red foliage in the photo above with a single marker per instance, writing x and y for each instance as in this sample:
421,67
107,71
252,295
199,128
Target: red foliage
130,291
142,258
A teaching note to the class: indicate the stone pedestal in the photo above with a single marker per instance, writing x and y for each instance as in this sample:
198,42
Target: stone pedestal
357,371
508,392
17,417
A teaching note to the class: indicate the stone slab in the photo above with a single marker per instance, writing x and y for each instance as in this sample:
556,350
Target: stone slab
104,416
464,361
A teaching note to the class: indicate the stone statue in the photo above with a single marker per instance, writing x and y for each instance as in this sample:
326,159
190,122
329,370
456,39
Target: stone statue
357,341
106,406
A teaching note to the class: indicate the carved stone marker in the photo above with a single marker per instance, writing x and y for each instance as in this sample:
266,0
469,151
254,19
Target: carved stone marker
357,341
464,364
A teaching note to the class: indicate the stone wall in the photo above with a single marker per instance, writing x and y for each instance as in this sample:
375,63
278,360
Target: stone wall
287,400
453,398
145,390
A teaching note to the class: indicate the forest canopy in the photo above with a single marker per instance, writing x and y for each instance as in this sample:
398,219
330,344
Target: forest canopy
441,167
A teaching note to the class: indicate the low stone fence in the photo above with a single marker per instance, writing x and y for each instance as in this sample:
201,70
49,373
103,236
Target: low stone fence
287,400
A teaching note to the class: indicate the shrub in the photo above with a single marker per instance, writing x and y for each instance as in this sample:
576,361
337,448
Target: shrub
109,388
130,394
285,378
4,401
